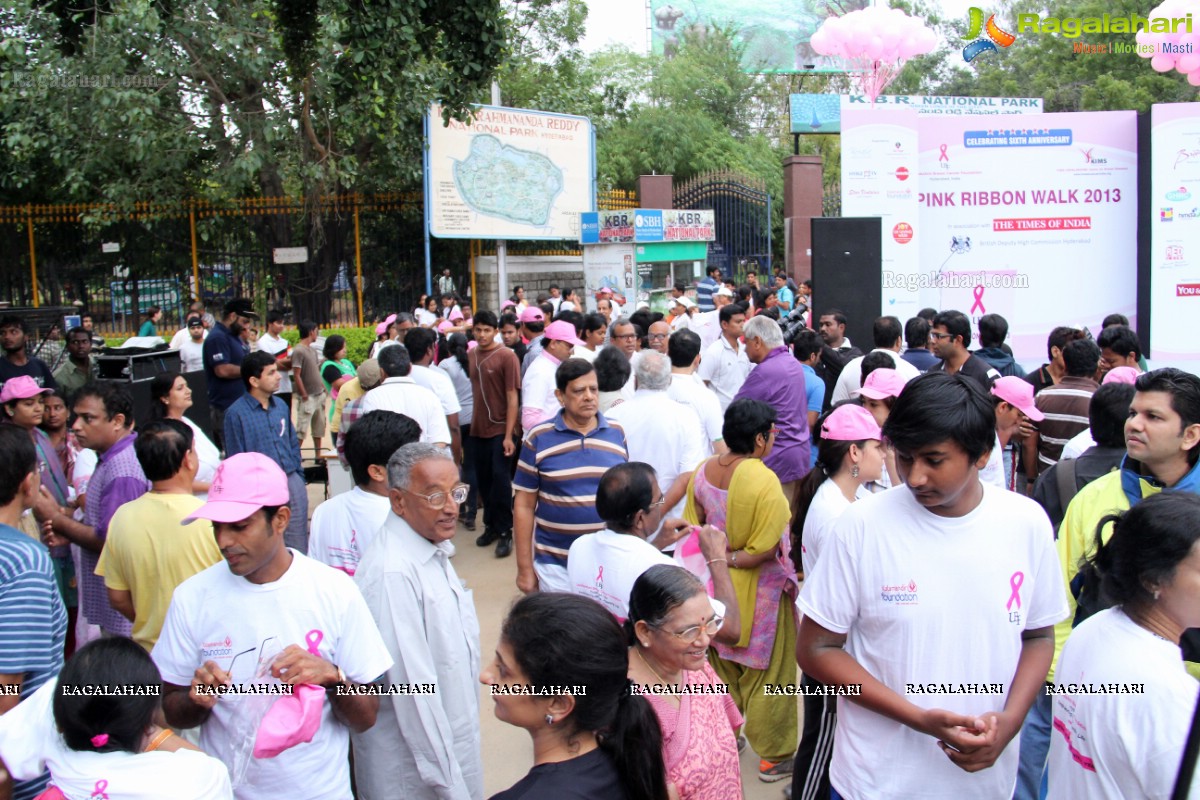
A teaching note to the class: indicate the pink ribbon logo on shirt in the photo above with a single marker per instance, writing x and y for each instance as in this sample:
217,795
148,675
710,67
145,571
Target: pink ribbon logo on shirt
313,640
99,792
978,304
1015,582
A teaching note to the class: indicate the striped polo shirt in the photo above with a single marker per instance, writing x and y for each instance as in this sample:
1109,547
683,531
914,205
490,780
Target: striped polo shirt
1066,408
564,468
33,623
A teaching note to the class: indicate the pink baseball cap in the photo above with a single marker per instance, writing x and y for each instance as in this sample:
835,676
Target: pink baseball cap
850,423
603,291
882,383
1018,393
563,331
444,326
21,387
532,314
456,315
1114,375
243,484
507,304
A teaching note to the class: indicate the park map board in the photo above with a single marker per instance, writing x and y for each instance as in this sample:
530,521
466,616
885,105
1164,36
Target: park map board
509,173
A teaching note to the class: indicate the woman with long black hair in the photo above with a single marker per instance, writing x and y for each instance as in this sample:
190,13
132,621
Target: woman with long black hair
592,738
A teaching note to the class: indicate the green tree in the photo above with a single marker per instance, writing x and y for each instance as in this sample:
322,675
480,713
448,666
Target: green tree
161,101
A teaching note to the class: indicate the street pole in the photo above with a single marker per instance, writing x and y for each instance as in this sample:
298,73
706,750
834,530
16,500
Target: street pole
501,245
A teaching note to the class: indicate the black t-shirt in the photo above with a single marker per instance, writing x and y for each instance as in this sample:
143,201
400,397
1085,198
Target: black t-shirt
1040,378
35,368
974,367
591,776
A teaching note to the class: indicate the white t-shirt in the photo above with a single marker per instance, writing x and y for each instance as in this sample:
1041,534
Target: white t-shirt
425,318
538,401
926,599
404,396
344,525
1078,444
691,391
216,615
274,346
30,744
724,369
438,382
850,381
585,354
662,433
1123,745
207,452
993,470
191,355
827,507
605,565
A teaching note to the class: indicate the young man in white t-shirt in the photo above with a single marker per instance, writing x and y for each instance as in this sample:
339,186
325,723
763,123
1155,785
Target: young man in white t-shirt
344,525
272,342
267,614
938,599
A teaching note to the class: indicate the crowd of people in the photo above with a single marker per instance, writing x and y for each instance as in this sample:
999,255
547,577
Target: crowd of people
976,582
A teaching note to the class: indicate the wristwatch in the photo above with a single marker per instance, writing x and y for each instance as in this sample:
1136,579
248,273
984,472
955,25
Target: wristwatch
341,681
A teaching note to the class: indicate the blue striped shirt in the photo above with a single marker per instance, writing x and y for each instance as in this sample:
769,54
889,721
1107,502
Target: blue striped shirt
33,623
564,468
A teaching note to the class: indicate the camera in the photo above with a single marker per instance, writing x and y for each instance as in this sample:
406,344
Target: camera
793,323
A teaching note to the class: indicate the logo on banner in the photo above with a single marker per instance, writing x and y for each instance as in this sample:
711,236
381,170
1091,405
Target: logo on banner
943,156
899,194
866,174
1187,290
1174,252
1088,159
1180,194
1193,214
1166,215
902,173
960,246
995,35
902,233
1185,157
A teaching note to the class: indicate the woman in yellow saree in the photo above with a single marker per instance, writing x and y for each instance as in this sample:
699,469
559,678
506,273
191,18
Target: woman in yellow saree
738,493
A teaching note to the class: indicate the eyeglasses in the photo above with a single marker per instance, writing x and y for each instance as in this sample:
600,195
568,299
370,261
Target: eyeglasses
937,337
662,499
691,634
656,336
437,500
625,336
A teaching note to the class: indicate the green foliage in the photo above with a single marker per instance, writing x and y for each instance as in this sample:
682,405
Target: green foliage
358,341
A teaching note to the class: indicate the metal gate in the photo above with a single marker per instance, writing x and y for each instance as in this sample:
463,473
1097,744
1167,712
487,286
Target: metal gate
742,211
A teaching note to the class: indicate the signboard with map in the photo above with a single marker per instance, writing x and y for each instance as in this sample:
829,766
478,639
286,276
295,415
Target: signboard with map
509,173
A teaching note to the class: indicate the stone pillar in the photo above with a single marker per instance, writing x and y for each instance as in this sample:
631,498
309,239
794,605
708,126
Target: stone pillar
656,191
803,198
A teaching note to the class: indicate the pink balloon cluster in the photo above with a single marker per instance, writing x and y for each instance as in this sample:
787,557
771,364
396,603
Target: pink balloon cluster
876,42
1171,49
873,34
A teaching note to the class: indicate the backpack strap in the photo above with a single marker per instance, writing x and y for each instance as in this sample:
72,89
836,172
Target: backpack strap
1064,477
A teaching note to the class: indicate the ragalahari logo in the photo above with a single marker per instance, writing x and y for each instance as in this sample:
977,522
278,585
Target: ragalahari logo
995,35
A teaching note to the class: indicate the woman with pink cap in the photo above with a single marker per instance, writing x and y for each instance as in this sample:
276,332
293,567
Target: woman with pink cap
879,391
23,404
849,455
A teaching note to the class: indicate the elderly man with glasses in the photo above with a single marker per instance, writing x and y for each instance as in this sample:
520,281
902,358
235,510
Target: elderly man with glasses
425,744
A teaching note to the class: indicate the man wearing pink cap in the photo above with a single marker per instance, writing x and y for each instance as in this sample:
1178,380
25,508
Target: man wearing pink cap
533,323
267,605
1013,397
538,400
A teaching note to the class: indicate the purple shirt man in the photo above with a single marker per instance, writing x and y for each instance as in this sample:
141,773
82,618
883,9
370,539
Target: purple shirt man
117,480
778,380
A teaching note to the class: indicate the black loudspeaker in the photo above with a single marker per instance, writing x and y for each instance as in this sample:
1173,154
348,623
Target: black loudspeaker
847,272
